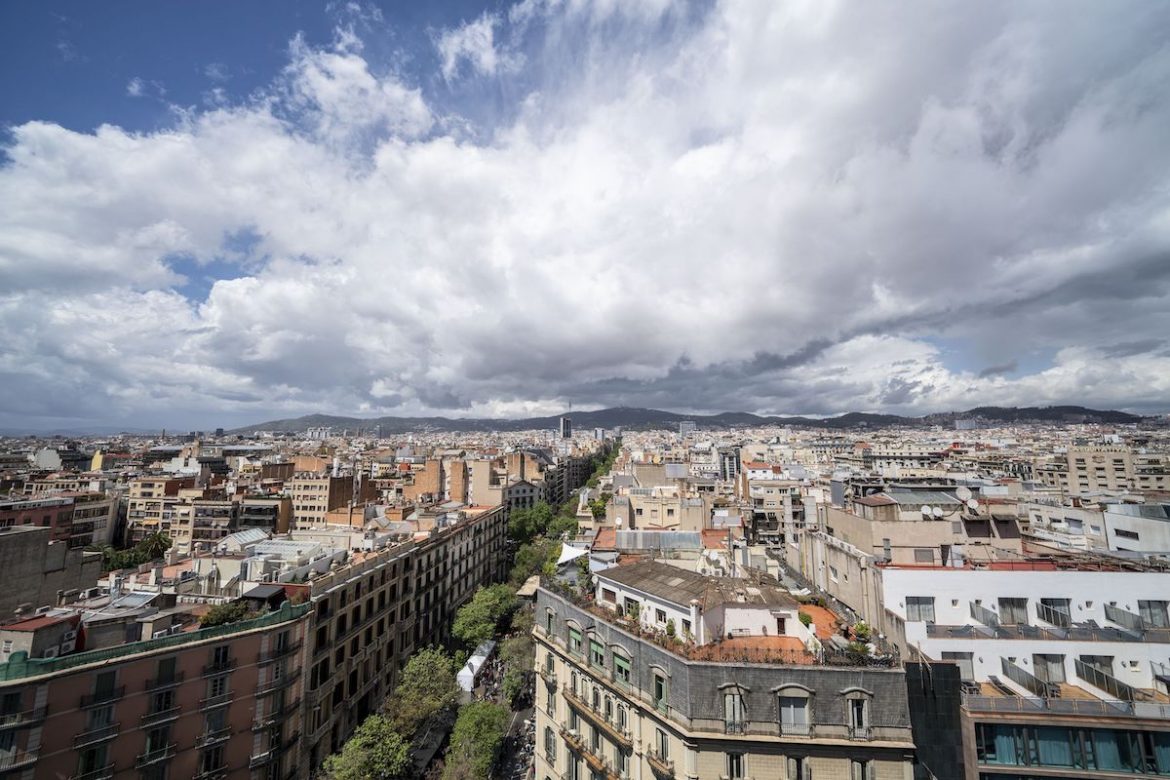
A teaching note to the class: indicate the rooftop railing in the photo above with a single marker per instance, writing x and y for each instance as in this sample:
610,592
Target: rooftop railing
20,666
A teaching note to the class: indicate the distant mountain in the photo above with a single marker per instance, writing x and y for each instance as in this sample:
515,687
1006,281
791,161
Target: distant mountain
649,419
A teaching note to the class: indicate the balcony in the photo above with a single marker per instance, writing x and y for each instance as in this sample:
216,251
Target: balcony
1088,708
216,773
16,720
160,716
983,615
101,697
1103,680
860,732
17,759
1054,616
797,730
620,736
270,718
93,736
660,765
1029,682
285,680
219,667
734,727
101,773
549,677
216,701
155,756
213,737
274,753
161,683
276,653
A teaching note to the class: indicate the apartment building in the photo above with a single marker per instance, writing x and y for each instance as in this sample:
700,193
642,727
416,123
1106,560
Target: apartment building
1064,665
150,504
221,702
1116,469
201,523
664,673
267,697
315,495
35,569
80,519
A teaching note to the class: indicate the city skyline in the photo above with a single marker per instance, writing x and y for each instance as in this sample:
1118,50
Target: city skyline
224,215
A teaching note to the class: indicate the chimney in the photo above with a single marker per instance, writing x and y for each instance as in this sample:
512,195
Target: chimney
697,621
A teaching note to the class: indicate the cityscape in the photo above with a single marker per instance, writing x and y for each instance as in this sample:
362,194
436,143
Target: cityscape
584,390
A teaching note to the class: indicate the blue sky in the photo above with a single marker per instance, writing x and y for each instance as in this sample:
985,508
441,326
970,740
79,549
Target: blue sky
71,62
216,213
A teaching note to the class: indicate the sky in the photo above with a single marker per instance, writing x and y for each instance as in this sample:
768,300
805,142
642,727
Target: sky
219,213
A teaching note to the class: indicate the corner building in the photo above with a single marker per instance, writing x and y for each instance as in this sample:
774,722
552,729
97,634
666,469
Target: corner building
616,701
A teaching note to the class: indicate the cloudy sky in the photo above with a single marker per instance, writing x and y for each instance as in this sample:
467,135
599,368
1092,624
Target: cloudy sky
220,213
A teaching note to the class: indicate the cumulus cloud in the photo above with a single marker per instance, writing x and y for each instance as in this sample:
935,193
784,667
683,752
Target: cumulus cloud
475,43
748,205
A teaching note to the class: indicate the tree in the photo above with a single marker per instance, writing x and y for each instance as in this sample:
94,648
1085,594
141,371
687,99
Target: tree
231,612
529,560
480,618
518,654
524,525
476,740
561,525
427,687
375,750
154,546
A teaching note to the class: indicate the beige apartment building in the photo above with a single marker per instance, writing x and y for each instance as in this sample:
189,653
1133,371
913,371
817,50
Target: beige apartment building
616,699
315,495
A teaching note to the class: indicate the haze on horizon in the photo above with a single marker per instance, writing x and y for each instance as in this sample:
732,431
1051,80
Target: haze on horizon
214,215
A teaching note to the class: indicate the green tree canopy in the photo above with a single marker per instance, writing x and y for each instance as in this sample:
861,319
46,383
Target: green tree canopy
475,741
561,525
524,525
231,612
480,618
529,560
374,751
427,687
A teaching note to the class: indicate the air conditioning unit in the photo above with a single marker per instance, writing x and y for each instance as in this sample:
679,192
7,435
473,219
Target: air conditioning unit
52,652
42,610
70,636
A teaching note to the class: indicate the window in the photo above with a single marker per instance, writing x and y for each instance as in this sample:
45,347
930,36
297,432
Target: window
660,615
661,744
922,555
166,670
660,692
733,713
550,745
575,640
797,769
219,657
1154,613
217,686
621,669
211,759
859,718
596,653
609,595
157,739
965,662
1058,612
216,721
1013,611
794,715
1048,667
92,759
1127,534
735,764
162,701
861,770
919,609
548,622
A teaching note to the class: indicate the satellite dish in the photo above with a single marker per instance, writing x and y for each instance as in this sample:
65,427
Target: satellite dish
927,511
618,522
972,504
964,493
937,511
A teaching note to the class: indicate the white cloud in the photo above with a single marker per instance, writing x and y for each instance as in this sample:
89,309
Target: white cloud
764,207
136,87
475,43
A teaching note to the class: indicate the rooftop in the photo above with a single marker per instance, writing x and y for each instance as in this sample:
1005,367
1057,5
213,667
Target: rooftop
680,586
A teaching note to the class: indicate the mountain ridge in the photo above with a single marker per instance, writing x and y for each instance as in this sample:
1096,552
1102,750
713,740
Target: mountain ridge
648,419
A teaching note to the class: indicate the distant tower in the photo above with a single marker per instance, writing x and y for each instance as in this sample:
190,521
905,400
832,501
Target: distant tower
566,428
